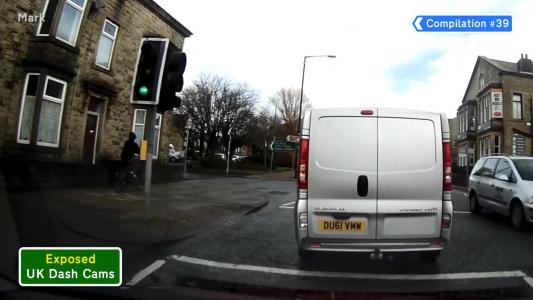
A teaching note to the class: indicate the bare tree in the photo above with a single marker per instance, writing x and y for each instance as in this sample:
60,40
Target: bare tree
288,102
216,104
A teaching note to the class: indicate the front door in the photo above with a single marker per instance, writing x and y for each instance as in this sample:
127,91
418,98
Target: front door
91,132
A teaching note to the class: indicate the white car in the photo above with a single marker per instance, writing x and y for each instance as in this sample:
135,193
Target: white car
503,184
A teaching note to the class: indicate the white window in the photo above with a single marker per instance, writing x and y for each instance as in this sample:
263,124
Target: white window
517,106
70,20
139,119
51,112
49,9
481,81
27,110
106,44
139,122
484,146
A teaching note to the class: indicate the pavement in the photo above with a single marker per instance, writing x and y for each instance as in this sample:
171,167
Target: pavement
175,210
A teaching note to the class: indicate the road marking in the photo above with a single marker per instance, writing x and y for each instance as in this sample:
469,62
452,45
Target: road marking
461,212
295,272
529,281
145,272
289,205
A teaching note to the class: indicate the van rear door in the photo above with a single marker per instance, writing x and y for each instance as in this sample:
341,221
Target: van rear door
410,174
342,176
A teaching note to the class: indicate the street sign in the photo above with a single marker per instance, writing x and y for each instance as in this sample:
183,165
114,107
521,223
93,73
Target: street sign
284,146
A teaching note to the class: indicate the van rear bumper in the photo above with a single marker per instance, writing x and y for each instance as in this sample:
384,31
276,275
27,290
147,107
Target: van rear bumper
341,245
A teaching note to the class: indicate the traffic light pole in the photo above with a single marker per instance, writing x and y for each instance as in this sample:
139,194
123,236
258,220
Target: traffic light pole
150,132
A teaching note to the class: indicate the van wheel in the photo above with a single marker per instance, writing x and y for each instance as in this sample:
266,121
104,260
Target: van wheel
429,256
518,218
475,208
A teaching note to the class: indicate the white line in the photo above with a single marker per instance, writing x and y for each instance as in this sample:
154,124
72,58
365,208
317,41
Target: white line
294,272
461,212
288,203
145,272
529,281
288,207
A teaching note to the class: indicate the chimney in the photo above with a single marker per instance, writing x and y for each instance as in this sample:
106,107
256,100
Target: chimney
524,64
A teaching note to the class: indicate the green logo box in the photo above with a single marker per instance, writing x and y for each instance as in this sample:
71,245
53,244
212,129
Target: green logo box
70,266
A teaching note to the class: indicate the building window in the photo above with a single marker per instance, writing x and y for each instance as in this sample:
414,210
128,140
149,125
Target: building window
139,119
49,10
517,106
471,118
484,146
519,144
485,109
106,44
481,81
49,116
497,145
70,20
139,122
27,111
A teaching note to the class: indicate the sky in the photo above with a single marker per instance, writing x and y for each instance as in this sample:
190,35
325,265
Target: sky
381,60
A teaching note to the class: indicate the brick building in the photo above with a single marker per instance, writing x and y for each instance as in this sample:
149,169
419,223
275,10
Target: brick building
496,111
66,73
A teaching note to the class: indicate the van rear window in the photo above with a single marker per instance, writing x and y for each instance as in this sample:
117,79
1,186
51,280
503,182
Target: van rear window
406,145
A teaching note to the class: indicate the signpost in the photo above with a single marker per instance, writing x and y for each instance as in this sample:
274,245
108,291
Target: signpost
282,146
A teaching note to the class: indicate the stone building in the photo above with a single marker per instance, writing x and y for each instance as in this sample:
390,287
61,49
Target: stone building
496,111
66,72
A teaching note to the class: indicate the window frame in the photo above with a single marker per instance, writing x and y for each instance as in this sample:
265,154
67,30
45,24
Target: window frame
23,103
43,12
114,40
81,10
481,81
521,106
156,126
55,100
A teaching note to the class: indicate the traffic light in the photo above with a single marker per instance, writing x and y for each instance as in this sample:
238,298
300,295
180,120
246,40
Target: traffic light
149,71
172,81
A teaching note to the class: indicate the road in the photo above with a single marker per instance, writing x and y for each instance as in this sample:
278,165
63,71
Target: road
259,249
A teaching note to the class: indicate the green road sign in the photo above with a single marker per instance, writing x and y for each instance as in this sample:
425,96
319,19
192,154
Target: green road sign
70,266
284,146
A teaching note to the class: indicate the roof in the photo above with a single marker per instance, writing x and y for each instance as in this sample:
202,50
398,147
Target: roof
501,65
165,16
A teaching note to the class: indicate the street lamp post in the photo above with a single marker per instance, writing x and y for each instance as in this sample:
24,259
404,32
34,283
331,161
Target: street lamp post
302,89
228,158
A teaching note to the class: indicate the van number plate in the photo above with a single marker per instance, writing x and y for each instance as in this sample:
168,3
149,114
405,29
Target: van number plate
348,226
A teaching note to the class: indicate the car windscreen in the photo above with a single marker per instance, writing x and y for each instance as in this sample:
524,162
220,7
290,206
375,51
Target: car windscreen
525,168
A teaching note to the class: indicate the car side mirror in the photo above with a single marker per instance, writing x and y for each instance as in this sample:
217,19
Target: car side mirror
502,177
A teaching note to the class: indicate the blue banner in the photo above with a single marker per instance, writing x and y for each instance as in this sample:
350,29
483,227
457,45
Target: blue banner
463,23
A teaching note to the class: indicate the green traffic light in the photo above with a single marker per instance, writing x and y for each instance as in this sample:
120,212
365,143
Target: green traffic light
143,91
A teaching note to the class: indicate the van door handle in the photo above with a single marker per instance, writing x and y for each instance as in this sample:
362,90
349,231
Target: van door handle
362,186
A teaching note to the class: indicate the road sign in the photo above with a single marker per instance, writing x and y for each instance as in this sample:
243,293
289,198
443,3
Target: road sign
284,146
463,23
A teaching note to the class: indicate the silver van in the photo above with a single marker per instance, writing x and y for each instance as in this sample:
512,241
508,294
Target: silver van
503,184
374,180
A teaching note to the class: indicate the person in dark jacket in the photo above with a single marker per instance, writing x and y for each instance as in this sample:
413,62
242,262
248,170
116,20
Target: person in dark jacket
130,155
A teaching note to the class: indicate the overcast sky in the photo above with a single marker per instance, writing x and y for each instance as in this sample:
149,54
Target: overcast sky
381,60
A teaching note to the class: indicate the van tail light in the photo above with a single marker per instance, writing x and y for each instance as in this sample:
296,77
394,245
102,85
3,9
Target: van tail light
446,221
447,167
303,163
